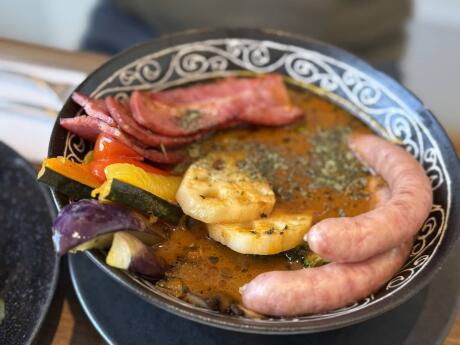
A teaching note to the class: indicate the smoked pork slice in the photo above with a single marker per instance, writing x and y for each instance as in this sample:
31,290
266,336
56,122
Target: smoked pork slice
93,107
189,110
123,118
89,128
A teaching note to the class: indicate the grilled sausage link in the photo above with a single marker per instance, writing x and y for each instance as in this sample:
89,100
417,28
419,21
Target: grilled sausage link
354,239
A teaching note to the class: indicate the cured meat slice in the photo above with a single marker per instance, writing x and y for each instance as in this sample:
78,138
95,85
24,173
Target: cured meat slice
93,107
89,128
204,92
123,118
270,104
181,120
270,116
179,112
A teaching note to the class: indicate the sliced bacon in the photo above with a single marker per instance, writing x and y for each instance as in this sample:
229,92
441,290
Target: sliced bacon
180,120
93,107
86,127
89,128
177,117
205,92
167,157
270,104
270,116
123,118
185,111
230,124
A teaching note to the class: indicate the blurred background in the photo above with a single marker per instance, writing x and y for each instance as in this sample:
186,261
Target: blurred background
417,42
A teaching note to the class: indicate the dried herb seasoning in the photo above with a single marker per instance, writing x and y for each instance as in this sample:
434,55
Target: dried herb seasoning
329,163
333,165
189,118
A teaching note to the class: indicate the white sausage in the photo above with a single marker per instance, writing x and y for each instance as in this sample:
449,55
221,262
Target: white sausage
315,290
354,239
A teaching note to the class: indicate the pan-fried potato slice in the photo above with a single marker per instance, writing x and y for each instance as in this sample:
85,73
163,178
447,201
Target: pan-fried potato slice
264,236
224,188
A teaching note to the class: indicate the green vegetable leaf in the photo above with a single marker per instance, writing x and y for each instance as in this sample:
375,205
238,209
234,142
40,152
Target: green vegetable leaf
305,256
313,260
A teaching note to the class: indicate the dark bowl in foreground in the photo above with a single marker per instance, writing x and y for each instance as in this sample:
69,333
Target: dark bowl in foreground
383,104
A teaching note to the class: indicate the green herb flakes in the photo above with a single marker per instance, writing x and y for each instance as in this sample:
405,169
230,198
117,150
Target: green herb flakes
189,119
333,165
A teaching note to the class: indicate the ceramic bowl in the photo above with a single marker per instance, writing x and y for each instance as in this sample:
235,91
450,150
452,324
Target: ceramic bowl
382,103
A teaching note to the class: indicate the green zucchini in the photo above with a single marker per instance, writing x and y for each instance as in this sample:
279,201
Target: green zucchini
64,184
67,177
139,199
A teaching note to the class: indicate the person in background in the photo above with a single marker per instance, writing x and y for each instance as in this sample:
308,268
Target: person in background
371,29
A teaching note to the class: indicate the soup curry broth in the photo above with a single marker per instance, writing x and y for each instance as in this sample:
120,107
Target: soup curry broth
311,170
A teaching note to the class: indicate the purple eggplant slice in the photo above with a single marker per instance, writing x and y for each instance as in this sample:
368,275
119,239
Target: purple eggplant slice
86,220
129,253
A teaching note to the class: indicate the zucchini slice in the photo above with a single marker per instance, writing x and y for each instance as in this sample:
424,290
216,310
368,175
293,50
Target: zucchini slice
64,185
67,177
131,196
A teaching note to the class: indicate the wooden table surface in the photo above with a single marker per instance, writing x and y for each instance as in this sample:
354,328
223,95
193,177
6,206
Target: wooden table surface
67,323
